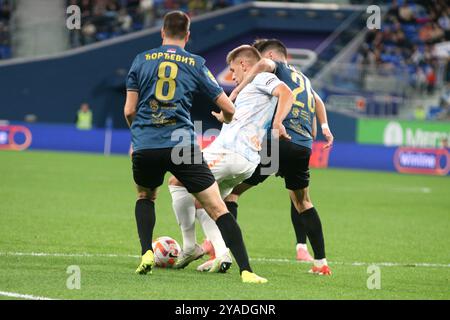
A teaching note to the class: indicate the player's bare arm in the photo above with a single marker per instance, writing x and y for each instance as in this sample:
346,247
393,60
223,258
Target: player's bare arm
285,101
226,107
263,65
321,113
314,128
130,106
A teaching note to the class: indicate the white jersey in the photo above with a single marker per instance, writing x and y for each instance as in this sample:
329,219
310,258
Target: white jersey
255,108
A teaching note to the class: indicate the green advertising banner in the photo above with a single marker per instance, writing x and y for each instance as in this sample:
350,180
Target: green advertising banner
419,134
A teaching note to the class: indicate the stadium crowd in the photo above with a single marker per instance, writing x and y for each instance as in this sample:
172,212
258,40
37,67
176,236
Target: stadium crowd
407,41
5,35
104,19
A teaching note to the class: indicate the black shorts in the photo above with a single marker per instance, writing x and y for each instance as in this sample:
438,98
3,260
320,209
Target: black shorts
293,167
150,166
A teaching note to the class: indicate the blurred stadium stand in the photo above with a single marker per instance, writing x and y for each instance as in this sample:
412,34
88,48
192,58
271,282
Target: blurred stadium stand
51,88
105,19
400,70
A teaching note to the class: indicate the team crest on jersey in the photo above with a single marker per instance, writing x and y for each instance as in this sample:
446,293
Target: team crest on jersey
154,105
300,59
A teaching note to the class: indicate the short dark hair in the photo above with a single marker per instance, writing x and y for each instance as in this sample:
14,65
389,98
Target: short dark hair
263,45
245,51
176,24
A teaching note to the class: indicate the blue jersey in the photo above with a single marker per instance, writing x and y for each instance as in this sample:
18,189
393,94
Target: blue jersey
167,78
298,122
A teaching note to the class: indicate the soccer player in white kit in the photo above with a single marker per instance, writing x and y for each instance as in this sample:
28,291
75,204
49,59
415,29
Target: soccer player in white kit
234,154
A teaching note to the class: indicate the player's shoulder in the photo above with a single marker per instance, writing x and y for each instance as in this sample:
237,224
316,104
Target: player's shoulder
283,67
264,78
142,56
200,61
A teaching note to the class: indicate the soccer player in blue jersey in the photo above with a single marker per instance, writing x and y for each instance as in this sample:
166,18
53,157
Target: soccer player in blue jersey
161,85
294,154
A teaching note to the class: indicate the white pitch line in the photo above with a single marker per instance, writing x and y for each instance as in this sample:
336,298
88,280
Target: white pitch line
356,264
22,296
68,255
274,260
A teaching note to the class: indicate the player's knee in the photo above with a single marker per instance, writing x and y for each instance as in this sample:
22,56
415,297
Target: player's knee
149,195
303,205
232,198
215,210
174,182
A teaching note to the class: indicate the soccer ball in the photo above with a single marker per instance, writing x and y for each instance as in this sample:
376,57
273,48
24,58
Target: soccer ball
166,251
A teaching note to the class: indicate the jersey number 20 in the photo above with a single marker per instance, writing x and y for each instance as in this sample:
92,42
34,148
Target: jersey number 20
166,81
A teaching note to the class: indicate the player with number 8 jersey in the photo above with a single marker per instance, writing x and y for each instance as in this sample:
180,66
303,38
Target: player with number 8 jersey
161,86
167,78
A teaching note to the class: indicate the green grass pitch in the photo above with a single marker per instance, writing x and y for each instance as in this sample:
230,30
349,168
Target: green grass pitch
81,206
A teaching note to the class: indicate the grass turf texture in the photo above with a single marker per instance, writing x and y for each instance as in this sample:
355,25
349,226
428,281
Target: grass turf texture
80,203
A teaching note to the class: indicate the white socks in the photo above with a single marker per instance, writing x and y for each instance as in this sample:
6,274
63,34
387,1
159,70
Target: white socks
212,232
184,207
320,263
301,245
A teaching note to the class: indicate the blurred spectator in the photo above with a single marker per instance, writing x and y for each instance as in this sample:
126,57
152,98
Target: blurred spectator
147,12
125,21
444,23
84,117
431,79
405,14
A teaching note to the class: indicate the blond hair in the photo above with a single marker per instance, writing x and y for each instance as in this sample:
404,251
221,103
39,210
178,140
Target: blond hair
246,52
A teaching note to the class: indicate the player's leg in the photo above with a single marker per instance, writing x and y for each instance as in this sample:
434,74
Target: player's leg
300,234
199,181
214,244
232,199
313,227
230,230
230,171
220,258
184,208
147,179
294,168
145,221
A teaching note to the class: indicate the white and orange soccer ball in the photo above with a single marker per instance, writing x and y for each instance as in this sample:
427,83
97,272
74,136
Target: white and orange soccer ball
166,251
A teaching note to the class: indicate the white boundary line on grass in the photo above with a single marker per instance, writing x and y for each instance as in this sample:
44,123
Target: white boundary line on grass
22,296
106,255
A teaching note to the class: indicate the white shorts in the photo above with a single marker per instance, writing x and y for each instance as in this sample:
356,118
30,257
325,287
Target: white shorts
229,168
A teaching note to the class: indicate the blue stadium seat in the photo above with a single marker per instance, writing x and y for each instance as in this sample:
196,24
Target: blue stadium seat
5,52
137,26
100,36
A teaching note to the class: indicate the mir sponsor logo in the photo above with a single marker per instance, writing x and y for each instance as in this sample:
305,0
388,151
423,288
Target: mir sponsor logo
397,135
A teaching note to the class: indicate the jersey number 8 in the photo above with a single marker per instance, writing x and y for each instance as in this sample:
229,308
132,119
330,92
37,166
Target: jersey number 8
169,80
